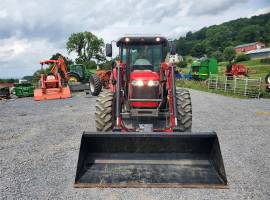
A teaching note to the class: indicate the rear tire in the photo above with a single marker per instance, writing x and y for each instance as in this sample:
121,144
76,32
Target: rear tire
95,85
184,110
267,81
104,114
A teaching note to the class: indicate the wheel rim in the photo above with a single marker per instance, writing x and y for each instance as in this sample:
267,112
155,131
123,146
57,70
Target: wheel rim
72,79
92,87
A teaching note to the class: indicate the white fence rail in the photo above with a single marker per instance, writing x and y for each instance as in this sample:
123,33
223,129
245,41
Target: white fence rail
249,87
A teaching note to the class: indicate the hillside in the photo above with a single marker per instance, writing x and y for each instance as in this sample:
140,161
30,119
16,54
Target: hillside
213,39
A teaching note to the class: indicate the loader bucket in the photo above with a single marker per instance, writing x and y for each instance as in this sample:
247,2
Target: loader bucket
150,160
52,93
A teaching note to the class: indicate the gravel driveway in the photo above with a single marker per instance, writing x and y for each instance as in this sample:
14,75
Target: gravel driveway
39,143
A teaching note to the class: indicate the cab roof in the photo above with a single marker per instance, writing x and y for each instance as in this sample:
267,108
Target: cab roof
142,39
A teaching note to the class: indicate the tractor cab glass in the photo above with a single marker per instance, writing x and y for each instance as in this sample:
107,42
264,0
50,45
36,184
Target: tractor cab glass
78,68
142,57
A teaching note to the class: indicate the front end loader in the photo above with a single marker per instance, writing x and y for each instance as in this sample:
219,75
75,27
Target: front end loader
143,124
54,85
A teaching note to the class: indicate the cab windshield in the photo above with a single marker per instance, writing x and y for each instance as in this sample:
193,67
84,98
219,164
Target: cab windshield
142,57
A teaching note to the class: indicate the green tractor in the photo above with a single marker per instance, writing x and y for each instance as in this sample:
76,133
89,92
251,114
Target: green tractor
80,79
201,69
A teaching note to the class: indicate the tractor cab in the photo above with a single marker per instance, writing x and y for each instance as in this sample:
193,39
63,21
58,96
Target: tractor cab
78,69
142,57
142,53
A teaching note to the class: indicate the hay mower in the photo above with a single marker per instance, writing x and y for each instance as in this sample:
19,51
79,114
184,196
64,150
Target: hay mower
143,124
236,70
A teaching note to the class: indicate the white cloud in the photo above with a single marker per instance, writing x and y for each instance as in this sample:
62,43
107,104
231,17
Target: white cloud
3,14
261,11
11,48
35,29
22,57
212,7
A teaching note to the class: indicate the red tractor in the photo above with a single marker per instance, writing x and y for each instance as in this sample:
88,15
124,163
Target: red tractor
142,87
144,124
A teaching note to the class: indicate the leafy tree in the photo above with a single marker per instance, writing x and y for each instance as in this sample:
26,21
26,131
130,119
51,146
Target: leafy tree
87,46
182,64
36,75
28,78
229,53
198,50
241,57
9,80
217,37
67,60
106,65
250,33
218,55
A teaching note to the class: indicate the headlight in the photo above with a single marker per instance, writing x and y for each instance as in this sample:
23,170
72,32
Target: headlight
137,83
153,83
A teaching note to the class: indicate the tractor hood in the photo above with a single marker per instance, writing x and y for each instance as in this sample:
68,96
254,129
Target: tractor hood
144,75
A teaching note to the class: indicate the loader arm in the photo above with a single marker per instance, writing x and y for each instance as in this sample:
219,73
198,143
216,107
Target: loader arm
58,64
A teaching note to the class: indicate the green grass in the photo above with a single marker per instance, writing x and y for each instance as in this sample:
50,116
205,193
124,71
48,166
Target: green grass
256,70
203,86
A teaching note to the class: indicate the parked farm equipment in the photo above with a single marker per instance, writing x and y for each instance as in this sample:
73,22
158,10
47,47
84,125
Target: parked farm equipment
151,144
54,85
236,70
98,81
202,68
4,93
81,79
24,89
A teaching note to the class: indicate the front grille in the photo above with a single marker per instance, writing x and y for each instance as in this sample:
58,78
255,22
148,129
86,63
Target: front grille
145,92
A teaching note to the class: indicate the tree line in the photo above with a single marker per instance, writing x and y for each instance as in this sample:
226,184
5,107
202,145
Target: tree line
212,40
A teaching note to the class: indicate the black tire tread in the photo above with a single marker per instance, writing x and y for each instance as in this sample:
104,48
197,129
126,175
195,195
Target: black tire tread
103,114
94,79
184,110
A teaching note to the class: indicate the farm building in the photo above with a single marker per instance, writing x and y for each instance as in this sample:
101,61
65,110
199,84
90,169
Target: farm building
174,58
9,85
259,53
249,47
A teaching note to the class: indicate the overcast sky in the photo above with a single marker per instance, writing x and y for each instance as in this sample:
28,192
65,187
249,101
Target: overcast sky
32,30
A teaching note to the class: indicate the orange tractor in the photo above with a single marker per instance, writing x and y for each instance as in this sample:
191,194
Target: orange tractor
54,85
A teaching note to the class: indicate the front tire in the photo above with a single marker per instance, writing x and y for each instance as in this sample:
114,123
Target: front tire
104,114
184,110
73,78
95,85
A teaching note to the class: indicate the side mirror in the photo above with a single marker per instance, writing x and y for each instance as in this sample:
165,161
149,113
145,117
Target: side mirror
172,47
109,50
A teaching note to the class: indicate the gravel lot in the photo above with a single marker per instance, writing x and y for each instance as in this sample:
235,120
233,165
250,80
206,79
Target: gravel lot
39,144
